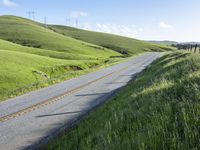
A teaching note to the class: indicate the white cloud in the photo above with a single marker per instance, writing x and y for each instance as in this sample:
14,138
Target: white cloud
165,25
77,14
87,26
9,3
123,30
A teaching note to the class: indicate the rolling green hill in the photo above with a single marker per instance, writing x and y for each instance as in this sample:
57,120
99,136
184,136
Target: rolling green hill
124,45
32,34
49,53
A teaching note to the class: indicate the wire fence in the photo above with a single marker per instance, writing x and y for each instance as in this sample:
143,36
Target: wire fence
188,47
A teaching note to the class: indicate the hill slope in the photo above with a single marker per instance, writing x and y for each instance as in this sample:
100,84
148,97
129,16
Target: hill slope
6,45
32,34
121,44
169,43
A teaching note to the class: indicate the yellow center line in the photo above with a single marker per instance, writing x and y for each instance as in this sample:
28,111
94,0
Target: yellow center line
53,99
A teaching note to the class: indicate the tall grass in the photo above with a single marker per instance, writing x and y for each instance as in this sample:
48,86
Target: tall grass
160,110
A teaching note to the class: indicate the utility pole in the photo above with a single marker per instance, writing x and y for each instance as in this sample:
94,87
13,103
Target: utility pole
45,21
31,15
68,21
76,23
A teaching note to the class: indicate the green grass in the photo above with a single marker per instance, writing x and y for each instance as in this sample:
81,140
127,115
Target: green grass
120,44
160,110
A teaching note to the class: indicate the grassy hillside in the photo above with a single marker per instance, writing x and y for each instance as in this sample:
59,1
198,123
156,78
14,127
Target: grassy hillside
22,72
29,33
169,43
160,110
6,45
21,69
121,44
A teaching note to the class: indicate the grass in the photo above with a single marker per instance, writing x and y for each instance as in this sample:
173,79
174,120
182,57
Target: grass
160,110
123,45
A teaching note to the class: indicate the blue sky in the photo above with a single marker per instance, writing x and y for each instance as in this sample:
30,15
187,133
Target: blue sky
177,20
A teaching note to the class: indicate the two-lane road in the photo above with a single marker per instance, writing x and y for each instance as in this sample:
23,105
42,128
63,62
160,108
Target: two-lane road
28,120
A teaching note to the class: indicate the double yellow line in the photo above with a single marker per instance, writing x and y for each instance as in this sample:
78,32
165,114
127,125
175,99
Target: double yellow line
53,99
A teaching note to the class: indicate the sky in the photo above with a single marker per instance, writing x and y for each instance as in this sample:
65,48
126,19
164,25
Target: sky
175,20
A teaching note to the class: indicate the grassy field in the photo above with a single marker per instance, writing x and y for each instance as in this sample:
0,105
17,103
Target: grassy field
160,110
124,45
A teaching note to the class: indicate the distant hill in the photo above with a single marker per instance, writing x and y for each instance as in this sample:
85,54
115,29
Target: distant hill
124,45
164,42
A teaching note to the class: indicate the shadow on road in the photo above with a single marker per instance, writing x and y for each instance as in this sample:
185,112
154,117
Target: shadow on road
58,114
91,94
117,83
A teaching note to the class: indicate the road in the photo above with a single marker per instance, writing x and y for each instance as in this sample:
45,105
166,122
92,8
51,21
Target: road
30,120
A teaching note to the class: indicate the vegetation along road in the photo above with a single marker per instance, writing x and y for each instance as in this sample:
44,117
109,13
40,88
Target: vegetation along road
40,115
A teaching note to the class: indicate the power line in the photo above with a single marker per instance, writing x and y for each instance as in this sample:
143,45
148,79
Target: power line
31,15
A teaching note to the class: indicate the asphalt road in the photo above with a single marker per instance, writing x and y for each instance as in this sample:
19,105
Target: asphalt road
29,120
